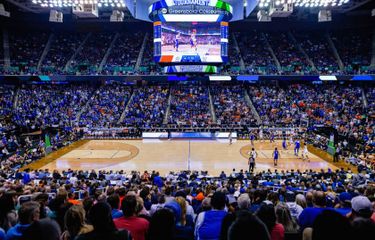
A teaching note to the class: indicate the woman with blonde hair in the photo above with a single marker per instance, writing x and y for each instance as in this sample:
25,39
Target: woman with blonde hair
74,222
284,217
301,200
182,202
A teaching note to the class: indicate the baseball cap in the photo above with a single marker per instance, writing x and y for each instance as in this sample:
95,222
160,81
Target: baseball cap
344,196
361,205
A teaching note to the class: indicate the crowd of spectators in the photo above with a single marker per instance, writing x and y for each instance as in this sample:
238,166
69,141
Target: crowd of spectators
7,94
148,107
62,48
187,205
230,106
88,60
105,107
190,105
124,54
49,105
337,106
340,106
255,54
277,106
317,48
354,50
148,65
291,59
25,49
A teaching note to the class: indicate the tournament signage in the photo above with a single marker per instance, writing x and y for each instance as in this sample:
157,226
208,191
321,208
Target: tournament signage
158,10
191,2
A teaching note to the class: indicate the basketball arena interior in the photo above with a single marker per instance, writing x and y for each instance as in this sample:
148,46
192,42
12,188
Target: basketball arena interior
187,119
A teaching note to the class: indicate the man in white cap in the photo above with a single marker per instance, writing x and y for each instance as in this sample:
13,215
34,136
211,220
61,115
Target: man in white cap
361,208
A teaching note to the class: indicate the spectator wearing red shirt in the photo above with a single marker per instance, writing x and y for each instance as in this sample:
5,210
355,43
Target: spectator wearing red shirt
267,214
137,226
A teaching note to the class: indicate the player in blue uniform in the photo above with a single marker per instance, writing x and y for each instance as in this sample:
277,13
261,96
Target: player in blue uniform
276,155
297,146
252,138
272,137
285,147
176,41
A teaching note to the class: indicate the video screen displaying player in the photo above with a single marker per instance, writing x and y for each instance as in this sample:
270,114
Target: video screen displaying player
186,38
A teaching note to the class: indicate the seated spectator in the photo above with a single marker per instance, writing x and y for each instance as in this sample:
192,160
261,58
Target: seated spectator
284,217
266,213
331,225
308,215
361,208
243,202
344,205
104,228
137,226
293,206
363,228
28,213
245,224
162,225
8,214
208,224
44,229
114,201
182,231
75,223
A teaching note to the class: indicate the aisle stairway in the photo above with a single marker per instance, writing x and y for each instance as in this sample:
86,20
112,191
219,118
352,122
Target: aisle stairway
123,114
277,62
168,111
79,49
141,51
298,46
253,109
106,55
45,51
335,52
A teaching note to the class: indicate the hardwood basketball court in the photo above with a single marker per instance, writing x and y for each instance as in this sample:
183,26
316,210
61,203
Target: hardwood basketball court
174,155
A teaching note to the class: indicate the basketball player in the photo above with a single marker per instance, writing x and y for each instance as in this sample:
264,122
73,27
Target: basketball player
252,138
261,135
276,156
252,157
285,147
230,138
305,154
193,40
297,147
272,137
176,41
291,140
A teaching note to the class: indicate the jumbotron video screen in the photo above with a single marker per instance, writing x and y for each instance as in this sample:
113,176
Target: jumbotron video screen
192,42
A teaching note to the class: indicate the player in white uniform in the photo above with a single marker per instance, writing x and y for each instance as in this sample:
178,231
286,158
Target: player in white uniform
291,142
261,135
193,40
305,153
230,138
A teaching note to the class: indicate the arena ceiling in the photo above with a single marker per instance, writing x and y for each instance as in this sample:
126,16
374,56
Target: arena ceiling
356,7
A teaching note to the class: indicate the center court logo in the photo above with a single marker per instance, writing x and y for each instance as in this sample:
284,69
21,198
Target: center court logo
191,2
